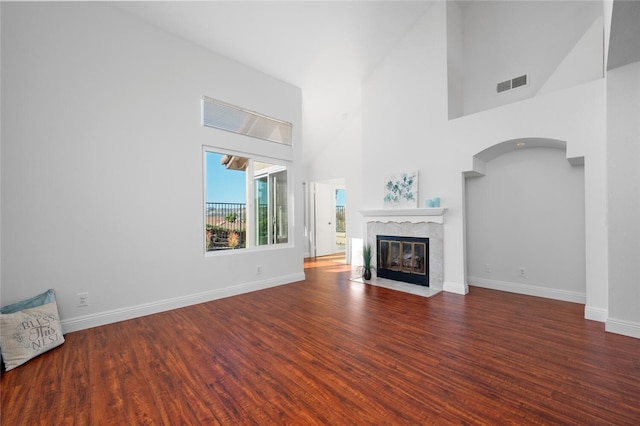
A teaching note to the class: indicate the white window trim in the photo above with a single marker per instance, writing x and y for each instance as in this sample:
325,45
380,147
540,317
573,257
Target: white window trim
279,164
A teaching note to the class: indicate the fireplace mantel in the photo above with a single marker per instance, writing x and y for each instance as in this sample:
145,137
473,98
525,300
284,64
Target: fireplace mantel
416,215
421,223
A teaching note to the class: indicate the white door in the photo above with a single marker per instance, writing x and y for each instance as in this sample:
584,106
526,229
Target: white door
325,216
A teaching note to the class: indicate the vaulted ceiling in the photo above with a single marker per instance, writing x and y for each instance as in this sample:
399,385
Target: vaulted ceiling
324,47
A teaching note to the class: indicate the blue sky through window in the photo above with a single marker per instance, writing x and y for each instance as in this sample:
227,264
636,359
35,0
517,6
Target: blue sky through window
340,197
223,185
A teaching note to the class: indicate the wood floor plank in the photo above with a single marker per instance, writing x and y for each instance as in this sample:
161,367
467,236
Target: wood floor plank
328,351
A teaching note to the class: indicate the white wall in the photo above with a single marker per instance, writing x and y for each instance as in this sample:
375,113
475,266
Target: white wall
455,60
1,154
623,175
506,39
405,127
528,211
102,181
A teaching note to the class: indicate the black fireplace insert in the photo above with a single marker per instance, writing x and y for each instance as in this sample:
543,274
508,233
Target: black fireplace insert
403,259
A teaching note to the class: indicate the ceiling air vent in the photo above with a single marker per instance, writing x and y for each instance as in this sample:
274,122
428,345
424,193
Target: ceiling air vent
504,86
514,83
519,81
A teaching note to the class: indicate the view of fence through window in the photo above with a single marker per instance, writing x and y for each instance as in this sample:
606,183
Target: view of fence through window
223,221
225,209
340,219
228,223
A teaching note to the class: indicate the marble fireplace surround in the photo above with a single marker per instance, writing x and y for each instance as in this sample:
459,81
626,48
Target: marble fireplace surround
418,222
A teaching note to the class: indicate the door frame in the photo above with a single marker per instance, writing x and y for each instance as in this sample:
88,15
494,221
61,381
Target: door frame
313,203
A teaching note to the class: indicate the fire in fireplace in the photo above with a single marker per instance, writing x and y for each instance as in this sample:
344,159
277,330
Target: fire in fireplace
403,259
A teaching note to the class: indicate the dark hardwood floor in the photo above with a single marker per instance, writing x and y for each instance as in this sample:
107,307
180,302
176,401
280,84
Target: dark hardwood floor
333,352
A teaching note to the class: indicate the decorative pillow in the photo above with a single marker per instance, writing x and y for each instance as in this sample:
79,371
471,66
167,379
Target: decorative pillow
39,300
28,333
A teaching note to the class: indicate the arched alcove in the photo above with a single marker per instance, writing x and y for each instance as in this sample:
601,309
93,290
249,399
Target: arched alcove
488,154
525,220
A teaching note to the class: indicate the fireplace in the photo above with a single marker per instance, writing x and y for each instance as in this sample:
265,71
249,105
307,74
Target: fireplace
403,259
414,224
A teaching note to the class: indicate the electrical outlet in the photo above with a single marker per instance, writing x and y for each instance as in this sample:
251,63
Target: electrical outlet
258,270
523,271
83,299
487,268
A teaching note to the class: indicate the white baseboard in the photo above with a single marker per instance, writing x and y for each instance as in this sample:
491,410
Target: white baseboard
455,287
530,290
129,312
626,328
595,314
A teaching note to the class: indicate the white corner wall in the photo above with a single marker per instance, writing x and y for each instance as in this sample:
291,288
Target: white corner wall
405,127
584,63
455,60
102,181
623,178
1,72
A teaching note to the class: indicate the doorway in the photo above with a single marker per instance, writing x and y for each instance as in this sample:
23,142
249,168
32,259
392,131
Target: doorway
328,218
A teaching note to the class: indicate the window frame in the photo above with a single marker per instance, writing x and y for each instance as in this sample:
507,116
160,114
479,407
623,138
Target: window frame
269,173
250,178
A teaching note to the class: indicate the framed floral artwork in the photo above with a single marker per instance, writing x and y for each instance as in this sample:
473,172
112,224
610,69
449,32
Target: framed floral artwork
401,190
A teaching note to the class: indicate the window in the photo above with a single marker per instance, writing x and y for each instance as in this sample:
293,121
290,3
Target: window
246,196
246,201
271,203
224,116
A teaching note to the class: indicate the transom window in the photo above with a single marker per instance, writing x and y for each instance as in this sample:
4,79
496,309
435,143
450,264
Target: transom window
232,118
